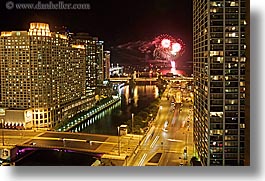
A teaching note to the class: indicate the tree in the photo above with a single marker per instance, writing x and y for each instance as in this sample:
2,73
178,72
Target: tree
143,114
193,159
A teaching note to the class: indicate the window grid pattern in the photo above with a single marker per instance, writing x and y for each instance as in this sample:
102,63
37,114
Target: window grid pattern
219,52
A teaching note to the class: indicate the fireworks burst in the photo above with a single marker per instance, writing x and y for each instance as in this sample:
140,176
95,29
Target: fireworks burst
163,48
167,47
165,43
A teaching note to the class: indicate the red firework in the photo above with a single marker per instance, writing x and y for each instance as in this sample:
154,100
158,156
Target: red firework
167,47
165,43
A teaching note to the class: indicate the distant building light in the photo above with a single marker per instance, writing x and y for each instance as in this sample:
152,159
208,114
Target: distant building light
78,46
63,37
4,33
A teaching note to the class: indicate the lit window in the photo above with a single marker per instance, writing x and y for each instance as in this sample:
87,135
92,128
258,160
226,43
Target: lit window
242,125
213,10
213,4
235,59
243,59
233,4
214,53
231,34
220,59
217,132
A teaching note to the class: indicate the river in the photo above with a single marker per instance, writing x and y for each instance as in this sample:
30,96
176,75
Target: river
132,101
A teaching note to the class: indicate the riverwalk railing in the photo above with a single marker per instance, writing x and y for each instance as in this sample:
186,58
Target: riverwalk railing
92,112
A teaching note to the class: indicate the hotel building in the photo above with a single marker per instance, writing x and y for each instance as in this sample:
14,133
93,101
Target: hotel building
221,81
42,75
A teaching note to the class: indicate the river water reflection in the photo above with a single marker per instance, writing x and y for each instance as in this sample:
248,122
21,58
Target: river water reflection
133,100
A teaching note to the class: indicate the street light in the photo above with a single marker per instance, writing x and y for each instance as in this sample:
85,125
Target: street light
132,121
186,147
119,145
160,109
3,134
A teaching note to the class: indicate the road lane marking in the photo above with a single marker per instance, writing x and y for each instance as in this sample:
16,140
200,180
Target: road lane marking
142,160
154,142
175,140
147,138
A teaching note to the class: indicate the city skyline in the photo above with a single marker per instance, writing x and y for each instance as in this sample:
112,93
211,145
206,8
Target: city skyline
58,79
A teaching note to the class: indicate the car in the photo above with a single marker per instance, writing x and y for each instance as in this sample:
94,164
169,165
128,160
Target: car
6,164
90,142
165,130
33,143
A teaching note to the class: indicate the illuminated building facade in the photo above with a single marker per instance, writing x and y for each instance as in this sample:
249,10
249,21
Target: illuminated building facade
100,63
43,74
106,64
94,60
221,87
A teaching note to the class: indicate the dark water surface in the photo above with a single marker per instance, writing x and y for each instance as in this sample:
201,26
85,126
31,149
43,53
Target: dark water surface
133,100
57,158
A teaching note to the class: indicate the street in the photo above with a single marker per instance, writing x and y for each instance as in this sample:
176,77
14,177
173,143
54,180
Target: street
171,134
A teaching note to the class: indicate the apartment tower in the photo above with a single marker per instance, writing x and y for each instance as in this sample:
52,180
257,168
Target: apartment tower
221,81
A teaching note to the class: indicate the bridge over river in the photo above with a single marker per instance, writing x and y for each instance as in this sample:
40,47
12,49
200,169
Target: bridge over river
114,146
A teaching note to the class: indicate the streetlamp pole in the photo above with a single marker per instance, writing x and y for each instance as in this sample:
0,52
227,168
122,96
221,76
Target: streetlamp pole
3,134
186,146
186,140
132,121
160,109
119,146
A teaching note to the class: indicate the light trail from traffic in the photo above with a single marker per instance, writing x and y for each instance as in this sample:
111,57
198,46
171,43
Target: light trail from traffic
178,135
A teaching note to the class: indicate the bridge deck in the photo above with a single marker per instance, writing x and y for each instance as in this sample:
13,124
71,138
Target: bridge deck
82,142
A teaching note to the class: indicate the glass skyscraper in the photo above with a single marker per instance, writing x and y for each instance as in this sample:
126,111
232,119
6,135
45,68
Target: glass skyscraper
221,81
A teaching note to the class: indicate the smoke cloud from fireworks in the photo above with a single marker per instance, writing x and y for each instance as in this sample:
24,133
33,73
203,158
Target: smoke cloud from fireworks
162,48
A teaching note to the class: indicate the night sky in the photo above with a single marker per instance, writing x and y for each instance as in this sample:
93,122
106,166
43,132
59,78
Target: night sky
114,21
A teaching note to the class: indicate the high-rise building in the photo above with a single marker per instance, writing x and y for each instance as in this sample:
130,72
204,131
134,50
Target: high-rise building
35,70
94,60
100,61
221,81
106,64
